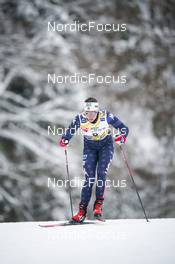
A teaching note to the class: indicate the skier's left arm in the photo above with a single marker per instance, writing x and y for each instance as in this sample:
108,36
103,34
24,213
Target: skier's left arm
123,130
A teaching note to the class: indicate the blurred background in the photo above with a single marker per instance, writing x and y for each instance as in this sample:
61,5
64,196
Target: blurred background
145,53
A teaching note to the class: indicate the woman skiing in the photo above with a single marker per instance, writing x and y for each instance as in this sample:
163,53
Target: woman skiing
97,153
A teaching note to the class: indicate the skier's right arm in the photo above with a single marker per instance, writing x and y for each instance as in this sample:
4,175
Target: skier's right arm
70,131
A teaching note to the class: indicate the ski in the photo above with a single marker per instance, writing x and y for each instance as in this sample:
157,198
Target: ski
70,223
99,218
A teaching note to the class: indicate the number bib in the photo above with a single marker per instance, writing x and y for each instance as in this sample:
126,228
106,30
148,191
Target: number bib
96,131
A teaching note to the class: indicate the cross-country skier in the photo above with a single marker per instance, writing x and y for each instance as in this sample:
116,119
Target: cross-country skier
98,151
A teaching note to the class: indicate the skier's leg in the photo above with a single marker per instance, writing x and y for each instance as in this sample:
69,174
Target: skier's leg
105,156
89,166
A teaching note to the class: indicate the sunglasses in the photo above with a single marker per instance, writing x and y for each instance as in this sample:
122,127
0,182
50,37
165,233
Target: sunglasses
90,113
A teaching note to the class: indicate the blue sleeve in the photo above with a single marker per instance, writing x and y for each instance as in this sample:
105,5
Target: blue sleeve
116,123
70,131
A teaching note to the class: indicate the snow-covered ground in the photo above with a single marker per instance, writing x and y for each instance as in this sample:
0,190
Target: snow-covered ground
115,241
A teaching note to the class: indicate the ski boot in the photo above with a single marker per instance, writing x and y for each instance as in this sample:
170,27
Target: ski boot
98,209
81,215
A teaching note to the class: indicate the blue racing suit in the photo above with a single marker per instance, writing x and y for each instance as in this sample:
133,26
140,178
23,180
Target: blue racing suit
98,150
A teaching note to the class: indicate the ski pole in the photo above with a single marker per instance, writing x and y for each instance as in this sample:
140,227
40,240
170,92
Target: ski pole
68,176
130,174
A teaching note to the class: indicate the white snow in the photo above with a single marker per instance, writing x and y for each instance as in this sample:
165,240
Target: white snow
115,241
